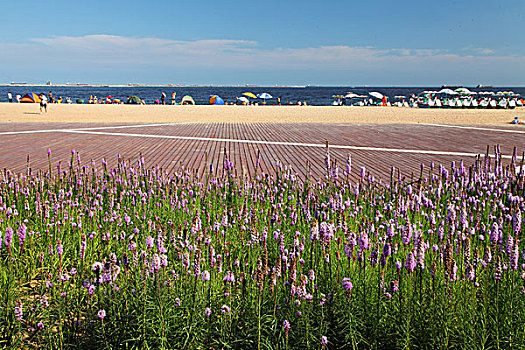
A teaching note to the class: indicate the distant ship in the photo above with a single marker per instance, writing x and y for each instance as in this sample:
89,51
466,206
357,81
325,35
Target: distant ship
484,86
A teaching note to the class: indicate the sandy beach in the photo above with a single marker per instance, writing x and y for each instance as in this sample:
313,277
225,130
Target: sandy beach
62,113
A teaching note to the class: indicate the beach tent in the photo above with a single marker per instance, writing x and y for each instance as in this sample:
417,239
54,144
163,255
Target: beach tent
30,98
216,100
134,100
80,100
187,100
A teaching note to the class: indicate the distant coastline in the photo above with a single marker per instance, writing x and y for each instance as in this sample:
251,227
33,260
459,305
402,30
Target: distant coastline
150,85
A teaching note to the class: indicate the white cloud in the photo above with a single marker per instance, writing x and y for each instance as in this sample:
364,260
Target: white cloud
110,51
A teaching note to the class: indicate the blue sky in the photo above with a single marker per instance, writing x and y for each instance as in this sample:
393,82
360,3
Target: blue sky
266,42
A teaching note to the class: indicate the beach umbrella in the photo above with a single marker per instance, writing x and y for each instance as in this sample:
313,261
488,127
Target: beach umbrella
216,100
264,95
351,95
376,94
243,99
448,92
249,94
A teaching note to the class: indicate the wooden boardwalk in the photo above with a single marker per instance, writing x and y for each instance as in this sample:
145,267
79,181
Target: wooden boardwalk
377,147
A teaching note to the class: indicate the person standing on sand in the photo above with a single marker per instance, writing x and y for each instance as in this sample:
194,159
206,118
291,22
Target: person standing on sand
10,97
173,94
163,98
43,103
18,98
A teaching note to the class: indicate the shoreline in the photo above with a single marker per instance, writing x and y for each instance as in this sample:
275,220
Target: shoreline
102,113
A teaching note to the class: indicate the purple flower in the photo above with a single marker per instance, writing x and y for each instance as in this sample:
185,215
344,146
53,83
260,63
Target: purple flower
225,309
177,302
82,246
394,286
347,284
398,265
494,234
207,312
163,260
155,263
60,248
230,277
18,310
101,314
516,221
509,246
411,262
324,341
22,233
8,237
387,250
286,326
49,152
40,326
98,266
149,242
205,275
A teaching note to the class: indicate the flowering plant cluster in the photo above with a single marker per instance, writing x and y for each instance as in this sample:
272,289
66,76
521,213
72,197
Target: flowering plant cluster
134,257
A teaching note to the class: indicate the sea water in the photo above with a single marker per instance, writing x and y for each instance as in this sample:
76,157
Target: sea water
313,95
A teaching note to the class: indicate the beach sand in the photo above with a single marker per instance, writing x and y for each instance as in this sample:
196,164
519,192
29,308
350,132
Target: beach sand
61,113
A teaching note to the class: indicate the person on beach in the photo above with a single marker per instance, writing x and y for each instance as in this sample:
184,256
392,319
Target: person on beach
163,98
173,94
50,98
10,97
43,103
18,98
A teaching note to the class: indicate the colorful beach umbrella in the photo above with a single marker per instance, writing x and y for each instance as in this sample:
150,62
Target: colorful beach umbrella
264,95
249,94
243,99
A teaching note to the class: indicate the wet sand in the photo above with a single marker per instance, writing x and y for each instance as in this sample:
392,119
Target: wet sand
61,113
